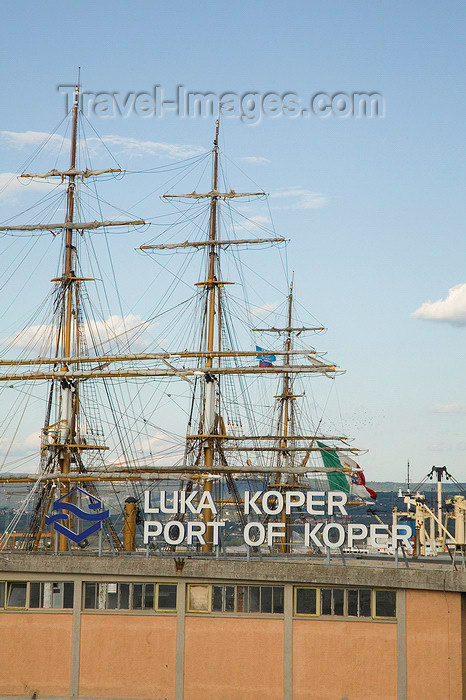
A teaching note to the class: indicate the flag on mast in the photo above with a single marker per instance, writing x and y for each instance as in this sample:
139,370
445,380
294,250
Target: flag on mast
353,483
265,360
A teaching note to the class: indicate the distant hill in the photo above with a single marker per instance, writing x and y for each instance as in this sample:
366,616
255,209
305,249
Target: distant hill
383,486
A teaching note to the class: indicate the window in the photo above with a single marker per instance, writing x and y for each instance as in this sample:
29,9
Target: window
278,599
254,598
16,594
242,598
199,598
359,602
223,599
112,596
245,599
46,594
118,596
166,596
129,596
305,601
332,601
90,591
384,603
34,595
345,602
143,596
123,596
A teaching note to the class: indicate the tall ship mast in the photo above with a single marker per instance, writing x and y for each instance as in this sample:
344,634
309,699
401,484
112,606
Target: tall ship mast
189,482
68,441
227,447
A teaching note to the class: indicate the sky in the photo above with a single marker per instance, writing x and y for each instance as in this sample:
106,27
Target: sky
373,205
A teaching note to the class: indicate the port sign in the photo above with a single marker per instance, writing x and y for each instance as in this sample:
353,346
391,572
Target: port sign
315,504
95,514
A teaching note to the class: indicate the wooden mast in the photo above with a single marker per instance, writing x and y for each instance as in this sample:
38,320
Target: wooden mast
60,439
212,435
286,427
68,406
211,284
287,415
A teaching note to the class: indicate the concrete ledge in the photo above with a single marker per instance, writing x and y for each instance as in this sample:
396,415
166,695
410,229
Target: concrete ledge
358,573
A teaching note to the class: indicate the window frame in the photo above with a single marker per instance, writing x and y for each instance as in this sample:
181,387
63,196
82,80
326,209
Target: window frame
61,592
156,597
131,597
359,590
345,616
143,607
235,612
374,604
209,598
332,612
295,601
16,607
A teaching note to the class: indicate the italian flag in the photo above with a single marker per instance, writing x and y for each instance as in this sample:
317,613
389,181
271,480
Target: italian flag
354,483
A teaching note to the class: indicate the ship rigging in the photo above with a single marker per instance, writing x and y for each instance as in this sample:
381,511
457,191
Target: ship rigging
230,440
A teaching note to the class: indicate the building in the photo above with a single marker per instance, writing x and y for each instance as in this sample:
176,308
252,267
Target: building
84,626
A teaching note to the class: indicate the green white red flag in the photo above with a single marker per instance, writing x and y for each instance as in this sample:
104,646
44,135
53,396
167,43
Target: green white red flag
353,483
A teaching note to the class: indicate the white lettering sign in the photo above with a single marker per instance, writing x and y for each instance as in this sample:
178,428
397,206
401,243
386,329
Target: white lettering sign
320,535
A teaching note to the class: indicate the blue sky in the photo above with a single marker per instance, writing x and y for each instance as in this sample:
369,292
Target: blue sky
377,218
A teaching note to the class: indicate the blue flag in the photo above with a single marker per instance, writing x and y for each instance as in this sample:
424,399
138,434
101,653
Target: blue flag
265,360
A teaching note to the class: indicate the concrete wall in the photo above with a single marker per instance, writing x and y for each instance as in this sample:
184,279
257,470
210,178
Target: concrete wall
337,659
127,656
463,637
35,653
434,645
233,659
188,656
365,573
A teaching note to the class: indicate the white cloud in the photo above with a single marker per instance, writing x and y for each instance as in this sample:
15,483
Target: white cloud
253,223
136,148
31,442
301,198
122,328
23,139
458,407
153,445
21,446
450,310
255,160
37,336
42,337
12,184
127,145
262,311
157,449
